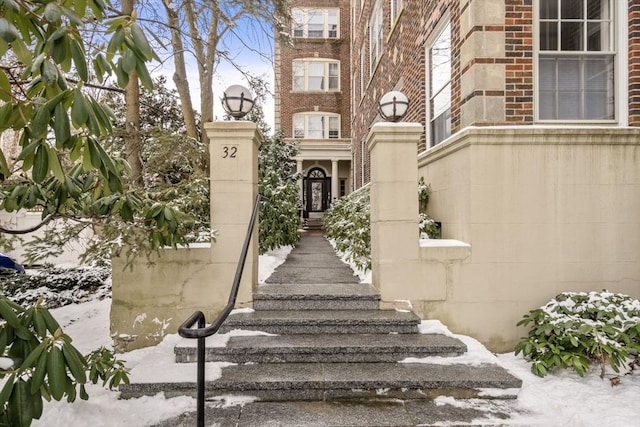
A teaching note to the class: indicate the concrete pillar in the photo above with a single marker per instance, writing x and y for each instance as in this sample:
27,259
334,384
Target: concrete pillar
395,261
234,187
300,179
335,180
300,185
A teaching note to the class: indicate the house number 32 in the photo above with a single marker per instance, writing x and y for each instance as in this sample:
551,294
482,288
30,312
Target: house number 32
229,152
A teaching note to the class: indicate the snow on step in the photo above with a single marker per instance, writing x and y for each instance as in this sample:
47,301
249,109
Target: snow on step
316,297
335,381
326,348
324,322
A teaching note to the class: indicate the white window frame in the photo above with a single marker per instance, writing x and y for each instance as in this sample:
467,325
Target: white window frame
376,36
439,30
326,119
304,63
363,159
303,26
363,71
619,51
396,7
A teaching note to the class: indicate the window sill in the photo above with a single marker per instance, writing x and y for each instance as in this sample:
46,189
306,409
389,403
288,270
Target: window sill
318,39
577,122
321,92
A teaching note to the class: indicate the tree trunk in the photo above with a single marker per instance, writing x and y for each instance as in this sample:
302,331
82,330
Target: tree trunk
180,73
133,140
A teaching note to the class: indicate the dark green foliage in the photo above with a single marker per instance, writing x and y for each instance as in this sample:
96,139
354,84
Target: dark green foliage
62,169
45,364
575,330
347,224
278,182
171,207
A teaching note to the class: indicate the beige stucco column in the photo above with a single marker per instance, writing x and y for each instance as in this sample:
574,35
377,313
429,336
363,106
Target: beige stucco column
234,187
300,184
335,180
395,260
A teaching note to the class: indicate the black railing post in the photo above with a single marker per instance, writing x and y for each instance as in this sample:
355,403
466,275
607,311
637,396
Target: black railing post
202,331
201,383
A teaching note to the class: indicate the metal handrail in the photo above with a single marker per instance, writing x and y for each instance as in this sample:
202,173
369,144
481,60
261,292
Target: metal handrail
201,332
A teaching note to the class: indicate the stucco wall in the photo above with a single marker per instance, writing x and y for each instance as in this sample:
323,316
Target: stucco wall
545,211
150,301
23,219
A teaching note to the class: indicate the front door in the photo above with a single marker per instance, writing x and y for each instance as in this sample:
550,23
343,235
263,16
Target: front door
317,191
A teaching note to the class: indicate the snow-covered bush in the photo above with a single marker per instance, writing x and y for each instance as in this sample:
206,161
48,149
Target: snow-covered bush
278,182
56,286
576,329
428,227
346,222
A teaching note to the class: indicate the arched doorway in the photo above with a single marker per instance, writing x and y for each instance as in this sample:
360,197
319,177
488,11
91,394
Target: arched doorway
317,190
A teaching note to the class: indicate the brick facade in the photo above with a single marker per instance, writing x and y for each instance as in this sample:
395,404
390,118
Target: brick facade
634,62
292,102
492,66
518,27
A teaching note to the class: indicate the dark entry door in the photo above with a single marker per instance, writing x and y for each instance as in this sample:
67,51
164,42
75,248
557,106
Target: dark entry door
317,191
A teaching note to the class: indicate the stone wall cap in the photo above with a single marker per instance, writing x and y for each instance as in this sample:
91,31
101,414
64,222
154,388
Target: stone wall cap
443,243
411,126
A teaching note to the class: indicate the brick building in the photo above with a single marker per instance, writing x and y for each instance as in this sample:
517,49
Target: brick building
530,111
495,62
313,93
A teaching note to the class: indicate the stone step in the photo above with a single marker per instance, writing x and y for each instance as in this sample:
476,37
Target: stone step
346,296
324,322
425,413
346,381
328,348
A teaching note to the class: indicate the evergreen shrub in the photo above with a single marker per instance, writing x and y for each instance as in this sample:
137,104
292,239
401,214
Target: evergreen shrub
574,330
56,286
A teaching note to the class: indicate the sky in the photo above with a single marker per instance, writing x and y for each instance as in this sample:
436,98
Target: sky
256,57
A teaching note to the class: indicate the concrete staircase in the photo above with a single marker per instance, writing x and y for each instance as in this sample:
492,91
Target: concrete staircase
334,344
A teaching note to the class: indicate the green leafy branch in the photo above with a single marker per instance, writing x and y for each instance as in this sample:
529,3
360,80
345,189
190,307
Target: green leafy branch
45,364
575,330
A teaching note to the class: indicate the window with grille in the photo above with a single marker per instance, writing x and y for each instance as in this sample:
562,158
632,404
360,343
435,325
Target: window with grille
396,7
316,125
375,36
316,23
363,70
440,87
316,75
576,60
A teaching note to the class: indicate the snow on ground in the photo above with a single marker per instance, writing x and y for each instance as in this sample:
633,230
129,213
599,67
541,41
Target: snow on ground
561,399
270,261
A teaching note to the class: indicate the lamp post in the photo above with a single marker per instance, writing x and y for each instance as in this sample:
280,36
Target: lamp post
393,106
237,101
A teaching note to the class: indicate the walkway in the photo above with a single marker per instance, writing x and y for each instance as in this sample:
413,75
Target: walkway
313,261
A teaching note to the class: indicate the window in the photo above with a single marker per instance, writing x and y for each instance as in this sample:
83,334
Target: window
440,87
396,7
316,23
316,75
316,126
375,36
363,161
576,60
363,70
